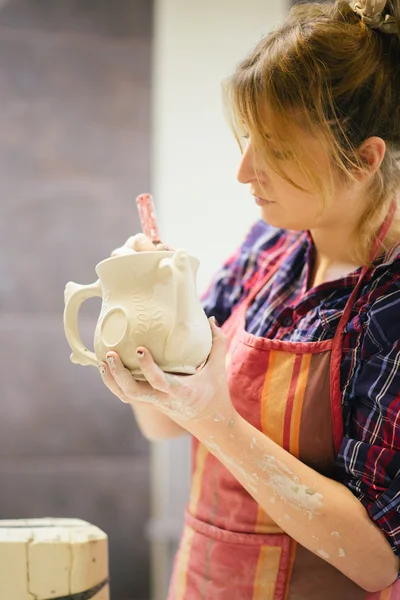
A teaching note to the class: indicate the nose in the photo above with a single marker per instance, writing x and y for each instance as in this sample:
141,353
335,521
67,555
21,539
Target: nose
246,171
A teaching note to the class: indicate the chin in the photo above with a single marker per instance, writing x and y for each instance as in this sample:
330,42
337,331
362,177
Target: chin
280,222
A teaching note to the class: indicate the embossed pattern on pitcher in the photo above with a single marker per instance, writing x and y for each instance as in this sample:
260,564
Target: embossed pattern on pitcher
149,299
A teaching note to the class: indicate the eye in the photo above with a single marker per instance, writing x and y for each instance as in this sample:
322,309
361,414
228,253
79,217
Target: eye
280,155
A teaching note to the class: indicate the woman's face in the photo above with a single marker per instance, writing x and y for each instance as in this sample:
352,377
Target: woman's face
282,204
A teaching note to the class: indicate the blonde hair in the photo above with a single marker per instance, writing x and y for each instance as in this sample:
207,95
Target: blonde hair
326,72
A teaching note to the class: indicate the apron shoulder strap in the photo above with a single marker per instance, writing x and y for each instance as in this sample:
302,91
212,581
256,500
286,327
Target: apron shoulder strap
336,357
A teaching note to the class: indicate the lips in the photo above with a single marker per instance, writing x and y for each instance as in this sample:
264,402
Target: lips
262,201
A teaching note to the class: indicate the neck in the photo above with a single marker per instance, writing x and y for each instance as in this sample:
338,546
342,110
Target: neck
334,246
337,243
335,251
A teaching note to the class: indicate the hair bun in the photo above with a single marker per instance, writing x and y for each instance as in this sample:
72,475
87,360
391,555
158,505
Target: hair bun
371,13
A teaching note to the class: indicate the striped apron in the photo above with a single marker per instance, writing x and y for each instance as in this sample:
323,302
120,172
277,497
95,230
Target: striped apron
230,548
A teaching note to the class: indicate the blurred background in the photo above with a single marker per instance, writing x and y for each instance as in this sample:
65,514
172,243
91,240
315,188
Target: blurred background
102,100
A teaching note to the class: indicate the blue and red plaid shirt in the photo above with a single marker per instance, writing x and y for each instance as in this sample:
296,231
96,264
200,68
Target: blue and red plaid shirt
368,462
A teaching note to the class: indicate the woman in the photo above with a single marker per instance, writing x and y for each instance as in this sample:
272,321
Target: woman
295,417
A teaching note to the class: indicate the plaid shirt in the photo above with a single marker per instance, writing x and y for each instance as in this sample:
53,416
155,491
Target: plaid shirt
368,462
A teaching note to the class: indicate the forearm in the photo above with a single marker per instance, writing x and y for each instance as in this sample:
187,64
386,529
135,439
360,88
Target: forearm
319,513
154,425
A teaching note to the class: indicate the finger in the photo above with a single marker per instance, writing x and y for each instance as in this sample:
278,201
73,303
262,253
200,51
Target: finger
122,376
135,243
163,247
122,251
130,242
110,382
141,243
127,248
154,375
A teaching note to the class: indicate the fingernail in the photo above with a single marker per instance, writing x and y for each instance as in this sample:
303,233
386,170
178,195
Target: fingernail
111,360
140,353
102,369
214,320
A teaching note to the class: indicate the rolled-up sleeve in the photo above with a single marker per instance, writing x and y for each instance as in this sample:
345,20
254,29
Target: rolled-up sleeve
368,462
372,473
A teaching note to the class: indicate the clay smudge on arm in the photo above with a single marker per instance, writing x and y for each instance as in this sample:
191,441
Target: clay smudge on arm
287,487
276,476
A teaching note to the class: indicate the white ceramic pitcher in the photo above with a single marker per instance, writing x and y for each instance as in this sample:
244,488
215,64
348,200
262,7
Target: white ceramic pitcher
149,299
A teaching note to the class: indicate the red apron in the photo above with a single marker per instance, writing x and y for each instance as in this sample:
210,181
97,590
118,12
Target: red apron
230,548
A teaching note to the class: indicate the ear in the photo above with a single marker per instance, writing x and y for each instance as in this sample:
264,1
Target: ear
371,152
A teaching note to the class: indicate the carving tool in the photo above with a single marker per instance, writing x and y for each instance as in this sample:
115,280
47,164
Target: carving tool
148,219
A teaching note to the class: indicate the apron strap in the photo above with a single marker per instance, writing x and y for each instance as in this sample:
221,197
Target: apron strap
336,396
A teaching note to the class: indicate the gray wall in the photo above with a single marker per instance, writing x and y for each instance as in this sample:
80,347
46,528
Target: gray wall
74,152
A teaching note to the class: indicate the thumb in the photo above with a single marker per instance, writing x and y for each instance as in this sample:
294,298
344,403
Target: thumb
219,346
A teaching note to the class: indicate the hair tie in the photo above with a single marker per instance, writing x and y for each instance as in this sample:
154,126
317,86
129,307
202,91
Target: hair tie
370,12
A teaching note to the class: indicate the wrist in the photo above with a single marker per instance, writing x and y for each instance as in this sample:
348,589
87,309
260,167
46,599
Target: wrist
215,426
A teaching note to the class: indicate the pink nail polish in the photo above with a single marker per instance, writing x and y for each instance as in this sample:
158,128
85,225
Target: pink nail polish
102,369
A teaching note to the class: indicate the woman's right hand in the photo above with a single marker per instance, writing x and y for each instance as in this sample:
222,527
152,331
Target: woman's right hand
138,243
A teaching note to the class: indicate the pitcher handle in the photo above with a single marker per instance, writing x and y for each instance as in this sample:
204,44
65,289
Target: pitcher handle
74,296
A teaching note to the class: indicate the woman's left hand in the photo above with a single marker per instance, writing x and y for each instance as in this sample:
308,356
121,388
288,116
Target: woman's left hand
186,399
